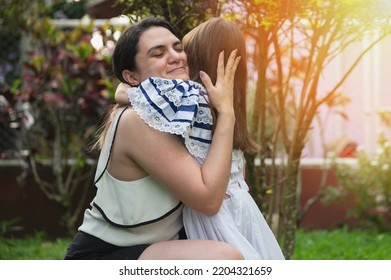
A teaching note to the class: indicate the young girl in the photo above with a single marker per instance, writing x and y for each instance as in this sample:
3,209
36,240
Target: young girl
182,107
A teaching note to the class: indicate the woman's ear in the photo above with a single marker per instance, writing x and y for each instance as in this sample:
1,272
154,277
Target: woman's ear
131,77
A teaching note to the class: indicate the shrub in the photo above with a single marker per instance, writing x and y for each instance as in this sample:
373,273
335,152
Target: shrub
57,105
369,182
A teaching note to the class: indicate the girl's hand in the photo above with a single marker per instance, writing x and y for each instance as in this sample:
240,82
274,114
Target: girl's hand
221,94
121,95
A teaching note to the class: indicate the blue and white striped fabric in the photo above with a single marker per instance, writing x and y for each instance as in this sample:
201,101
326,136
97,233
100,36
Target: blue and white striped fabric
177,107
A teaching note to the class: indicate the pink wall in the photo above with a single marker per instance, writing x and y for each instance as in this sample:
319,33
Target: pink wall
368,87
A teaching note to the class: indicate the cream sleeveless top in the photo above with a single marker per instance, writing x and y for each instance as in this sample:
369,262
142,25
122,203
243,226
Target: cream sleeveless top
126,213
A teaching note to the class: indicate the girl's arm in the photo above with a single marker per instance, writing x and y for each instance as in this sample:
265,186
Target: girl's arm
164,157
121,95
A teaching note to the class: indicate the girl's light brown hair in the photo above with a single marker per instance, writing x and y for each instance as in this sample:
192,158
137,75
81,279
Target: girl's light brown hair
202,46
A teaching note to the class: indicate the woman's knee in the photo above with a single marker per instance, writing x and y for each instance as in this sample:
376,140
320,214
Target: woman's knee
229,252
221,250
192,249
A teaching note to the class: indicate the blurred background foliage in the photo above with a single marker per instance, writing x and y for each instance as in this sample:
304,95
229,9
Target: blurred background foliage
54,97
368,182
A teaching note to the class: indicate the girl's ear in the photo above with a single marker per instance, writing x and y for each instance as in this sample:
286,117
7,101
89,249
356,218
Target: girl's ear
131,77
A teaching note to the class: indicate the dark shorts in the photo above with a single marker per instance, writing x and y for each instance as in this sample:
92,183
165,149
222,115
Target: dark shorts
87,247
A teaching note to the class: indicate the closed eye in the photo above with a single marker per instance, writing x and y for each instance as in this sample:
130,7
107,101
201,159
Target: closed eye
157,51
157,54
178,47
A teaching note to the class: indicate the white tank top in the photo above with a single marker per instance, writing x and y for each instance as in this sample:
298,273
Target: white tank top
126,213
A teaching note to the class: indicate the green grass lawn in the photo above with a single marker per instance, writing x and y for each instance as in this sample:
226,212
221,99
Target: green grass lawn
33,248
343,244
339,244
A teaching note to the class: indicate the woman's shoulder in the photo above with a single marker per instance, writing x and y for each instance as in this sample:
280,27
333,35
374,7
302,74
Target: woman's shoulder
135,125
129,120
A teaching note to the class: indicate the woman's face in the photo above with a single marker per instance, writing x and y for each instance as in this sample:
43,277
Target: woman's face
161,55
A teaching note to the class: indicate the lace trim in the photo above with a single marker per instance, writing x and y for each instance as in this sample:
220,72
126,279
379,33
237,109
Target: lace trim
237,171
177,107
237,166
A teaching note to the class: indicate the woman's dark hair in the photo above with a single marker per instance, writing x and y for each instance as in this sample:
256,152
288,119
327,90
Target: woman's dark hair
127,45
124,59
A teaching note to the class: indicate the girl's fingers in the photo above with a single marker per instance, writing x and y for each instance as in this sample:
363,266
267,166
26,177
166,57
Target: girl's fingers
231,60
220,65
206,81
231,73
221,94
228,70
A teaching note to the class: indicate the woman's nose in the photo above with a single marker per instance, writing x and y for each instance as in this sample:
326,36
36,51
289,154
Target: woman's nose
174,56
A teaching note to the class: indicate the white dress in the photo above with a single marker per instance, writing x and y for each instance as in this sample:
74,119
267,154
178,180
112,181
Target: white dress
238,222
181,107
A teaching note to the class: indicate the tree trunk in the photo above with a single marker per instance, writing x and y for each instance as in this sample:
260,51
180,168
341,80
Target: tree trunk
288,228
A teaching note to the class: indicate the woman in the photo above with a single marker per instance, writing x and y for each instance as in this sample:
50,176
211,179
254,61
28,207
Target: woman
144,175
239,221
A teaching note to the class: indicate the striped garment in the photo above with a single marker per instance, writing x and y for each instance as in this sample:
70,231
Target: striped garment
177,107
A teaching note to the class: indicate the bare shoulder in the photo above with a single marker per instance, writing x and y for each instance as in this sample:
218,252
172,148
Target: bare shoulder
130,122
122,165
129,115
132,126
132,129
